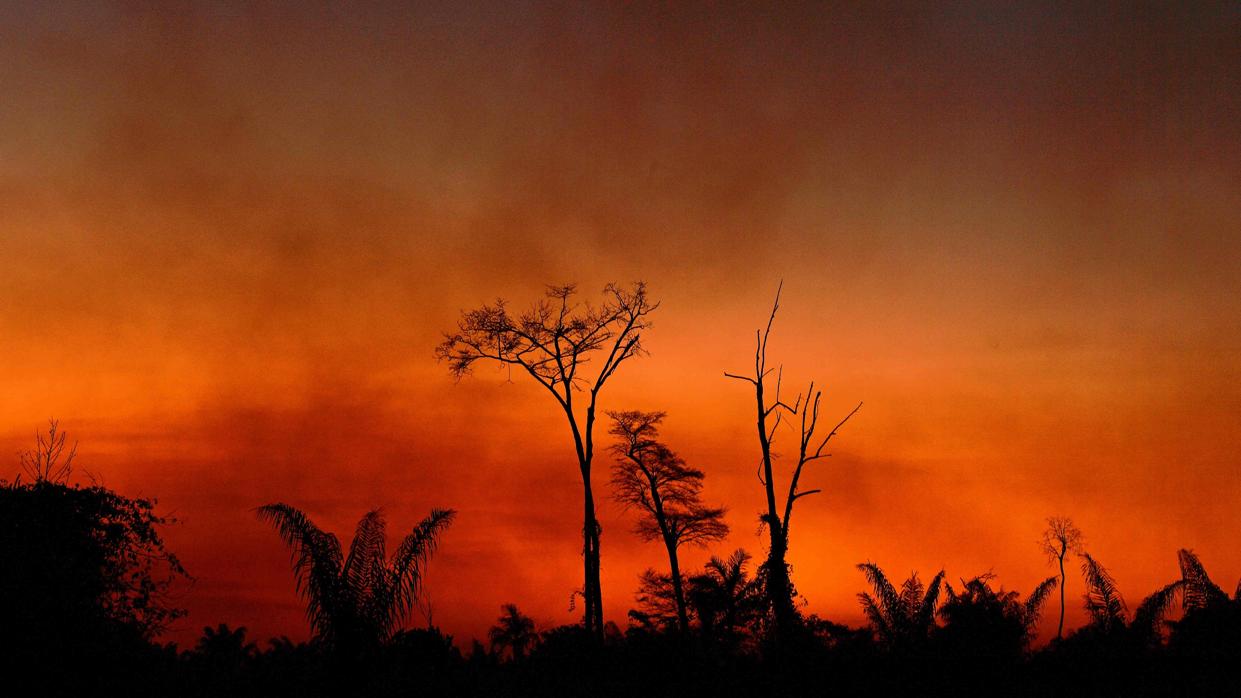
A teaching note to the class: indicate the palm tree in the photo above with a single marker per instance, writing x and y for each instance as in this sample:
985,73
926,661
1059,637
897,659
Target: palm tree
1199,598
354,602
725,598
991,621
904,618
513,630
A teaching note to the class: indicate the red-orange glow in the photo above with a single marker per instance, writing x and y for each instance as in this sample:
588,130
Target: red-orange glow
231,239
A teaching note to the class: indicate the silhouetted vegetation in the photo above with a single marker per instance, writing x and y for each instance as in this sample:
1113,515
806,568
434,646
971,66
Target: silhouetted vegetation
356,601
85,579
555,342
667,493
86,582
771,411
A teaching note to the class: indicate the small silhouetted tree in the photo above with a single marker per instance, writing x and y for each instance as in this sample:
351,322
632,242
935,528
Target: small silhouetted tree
85,577
571,350
903,618
657,606
514,630
666,492
356,601
1059,539
726,599
770,413
982,621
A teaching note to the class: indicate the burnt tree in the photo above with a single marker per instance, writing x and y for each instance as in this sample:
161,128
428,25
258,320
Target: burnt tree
771,412
571,350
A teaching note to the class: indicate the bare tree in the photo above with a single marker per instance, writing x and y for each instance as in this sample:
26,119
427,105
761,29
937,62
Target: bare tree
811,442
650,477
558,342
1059,539
48,461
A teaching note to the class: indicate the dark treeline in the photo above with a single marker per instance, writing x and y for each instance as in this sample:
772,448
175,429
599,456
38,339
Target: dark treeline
87,586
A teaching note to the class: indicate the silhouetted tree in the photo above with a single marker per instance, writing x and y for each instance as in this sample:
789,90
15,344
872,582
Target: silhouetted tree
557,342
657,605
85,578
1200,598
667,493
811,442
353,603
514,631
726,599
980,620
901,619
1059,539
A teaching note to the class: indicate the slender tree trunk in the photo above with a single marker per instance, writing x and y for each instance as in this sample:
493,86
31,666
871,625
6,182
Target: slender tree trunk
779,589
1060,629
678,590
592,591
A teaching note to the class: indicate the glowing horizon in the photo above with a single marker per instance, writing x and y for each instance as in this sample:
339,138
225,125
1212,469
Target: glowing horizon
233,237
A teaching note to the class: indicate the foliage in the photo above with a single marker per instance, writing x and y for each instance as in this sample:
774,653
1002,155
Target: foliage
726,600
90,559
652,478
558,342
357,601
514,631
980,620
904,618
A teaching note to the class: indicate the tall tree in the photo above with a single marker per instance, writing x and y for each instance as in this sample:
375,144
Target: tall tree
1059,539
770,413
558,342
666,492
354,602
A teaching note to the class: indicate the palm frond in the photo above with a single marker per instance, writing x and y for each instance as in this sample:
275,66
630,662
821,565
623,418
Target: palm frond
1199,590
1148,618
1038,596
1103,599
873,613
888,600
365,564
926,609
316,562
405,573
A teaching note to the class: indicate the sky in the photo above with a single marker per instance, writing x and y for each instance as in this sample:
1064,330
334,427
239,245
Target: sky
232,236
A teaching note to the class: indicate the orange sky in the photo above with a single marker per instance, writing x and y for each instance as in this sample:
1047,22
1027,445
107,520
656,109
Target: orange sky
231,238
